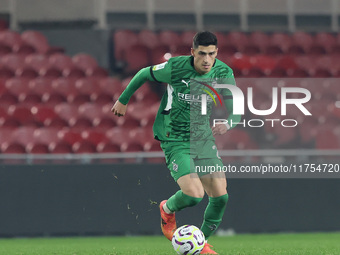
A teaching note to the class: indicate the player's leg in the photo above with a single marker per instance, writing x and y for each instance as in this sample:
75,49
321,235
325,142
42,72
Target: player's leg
191,190
215,186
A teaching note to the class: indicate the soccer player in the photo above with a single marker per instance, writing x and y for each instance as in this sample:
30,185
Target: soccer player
185,133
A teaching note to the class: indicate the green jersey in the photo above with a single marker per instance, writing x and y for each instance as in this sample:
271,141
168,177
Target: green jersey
179,117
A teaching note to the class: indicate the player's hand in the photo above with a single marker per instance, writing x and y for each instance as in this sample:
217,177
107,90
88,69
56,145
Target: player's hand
119,109
219,129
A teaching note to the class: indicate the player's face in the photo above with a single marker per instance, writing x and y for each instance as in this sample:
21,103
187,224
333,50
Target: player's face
204,58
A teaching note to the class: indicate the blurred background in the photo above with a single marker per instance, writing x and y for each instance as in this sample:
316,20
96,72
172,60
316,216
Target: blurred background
69,167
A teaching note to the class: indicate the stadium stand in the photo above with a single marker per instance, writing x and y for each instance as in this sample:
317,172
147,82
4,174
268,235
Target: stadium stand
64,101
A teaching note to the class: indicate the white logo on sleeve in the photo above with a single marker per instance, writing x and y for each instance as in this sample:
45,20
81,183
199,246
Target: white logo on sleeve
158,67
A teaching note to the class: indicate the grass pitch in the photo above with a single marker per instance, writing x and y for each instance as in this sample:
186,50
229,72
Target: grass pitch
260,244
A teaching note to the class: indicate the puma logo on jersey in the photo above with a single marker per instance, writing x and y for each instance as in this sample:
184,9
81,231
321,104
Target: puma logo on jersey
186,83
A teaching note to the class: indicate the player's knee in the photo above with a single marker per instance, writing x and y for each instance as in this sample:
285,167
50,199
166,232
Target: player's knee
195,192
220,201
194,201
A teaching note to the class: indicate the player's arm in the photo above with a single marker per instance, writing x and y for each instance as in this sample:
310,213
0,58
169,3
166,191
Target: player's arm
119,108
158,73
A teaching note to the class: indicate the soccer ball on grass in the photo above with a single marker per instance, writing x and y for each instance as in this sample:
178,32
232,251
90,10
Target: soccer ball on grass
188,240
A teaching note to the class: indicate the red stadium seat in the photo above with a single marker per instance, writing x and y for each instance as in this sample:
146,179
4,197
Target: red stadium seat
283,40
4,50
11,39
14,62
118,135
37,148
80,123
84,62
74,73
187,38
27,73
41,86
25,50
141,135
46,135
286,62
79,99
23,135
30,99
329,62
263,62
8,99
102,99
66,111
169,38
327,40
104,123
250,49
131,147
273,50
43,114
296,50
53,98
61,61
308,63
238,39
13,148
37,61
110,85
152,146
65,86
22,114
94,137
303,39
107,147
83,147
260,39
10,122
222,39
37,40
90,111
157,54
148,38
56,123
69,136
136,58
17,86
60,148
87,87
122,40
241,61
6,73
98,72
5,134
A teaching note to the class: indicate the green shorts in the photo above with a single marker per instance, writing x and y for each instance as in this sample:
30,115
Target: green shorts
199,157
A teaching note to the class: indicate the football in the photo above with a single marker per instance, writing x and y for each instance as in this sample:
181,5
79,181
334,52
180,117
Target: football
188,239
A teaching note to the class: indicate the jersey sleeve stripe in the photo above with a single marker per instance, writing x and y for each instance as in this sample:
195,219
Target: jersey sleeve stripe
152,74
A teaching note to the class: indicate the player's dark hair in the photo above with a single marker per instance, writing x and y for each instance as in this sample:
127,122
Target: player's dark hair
204,39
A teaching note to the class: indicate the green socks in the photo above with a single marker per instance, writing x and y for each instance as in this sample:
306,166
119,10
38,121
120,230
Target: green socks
180,201
213,214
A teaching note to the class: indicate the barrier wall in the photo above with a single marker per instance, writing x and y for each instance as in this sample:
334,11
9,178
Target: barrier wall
51,200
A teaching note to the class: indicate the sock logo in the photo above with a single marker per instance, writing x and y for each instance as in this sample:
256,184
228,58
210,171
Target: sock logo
174,166
213,227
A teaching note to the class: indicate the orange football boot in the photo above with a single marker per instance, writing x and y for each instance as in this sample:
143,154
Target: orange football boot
168,222
207,249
